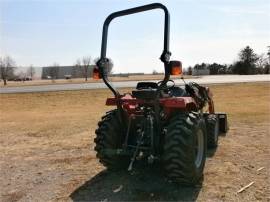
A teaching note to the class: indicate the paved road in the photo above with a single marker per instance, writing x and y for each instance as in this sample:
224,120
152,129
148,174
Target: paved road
202,80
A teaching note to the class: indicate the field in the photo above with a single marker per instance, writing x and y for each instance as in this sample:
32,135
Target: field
46,151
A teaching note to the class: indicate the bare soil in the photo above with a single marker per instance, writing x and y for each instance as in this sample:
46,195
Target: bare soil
46,151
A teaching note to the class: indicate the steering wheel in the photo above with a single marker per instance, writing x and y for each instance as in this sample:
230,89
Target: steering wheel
166,87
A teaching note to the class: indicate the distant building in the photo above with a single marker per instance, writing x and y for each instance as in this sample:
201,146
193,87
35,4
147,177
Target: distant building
63,72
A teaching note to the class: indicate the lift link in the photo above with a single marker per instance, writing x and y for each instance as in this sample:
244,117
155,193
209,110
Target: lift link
139,142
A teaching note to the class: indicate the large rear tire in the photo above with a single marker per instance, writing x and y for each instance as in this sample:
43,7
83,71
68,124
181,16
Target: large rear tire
109,137
185,146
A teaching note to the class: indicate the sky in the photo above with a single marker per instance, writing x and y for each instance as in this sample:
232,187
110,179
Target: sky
44,32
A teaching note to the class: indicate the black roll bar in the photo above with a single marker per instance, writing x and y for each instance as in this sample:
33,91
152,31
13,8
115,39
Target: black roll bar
165,56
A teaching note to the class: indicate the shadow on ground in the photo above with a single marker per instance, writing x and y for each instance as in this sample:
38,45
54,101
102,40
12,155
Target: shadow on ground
141,185
211,152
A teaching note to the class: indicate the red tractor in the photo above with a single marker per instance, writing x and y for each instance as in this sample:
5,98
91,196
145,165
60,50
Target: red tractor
158,122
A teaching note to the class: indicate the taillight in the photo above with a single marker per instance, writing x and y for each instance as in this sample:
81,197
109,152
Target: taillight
175,67
96,73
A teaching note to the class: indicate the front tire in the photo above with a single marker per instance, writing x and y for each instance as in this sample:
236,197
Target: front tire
212,125
185,146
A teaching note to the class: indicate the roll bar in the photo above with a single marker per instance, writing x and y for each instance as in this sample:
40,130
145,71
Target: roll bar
165,56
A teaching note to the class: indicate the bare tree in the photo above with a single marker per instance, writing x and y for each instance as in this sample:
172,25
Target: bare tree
31,71
261,63
22,76
84,65
7,67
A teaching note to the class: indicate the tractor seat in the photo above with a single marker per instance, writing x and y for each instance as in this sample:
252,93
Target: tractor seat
145,90
146,85
145,94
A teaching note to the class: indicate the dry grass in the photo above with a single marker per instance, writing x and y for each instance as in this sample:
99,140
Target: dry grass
53,110
243,102
46,144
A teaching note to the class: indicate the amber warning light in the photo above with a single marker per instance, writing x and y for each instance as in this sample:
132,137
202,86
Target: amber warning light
96,73
175,67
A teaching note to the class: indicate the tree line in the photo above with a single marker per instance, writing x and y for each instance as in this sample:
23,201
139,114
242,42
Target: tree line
248,62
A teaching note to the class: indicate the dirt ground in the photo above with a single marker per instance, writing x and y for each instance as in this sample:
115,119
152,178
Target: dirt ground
46,151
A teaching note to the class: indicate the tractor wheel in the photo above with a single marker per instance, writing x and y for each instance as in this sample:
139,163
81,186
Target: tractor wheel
212,130
109,137
185,146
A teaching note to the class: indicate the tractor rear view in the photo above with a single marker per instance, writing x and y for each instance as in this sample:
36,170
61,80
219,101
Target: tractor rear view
157,122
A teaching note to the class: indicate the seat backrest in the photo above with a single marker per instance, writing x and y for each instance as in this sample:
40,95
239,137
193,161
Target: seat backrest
145,94
146,85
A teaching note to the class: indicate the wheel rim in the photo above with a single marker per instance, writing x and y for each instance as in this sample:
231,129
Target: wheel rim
199,148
